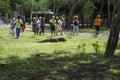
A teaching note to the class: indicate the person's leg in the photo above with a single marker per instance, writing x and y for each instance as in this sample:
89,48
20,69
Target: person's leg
60,29
35,31
74,30
77,30
19,30
43,30
54,32
23,28
51,29
60,32
38,31
16,32
96,31
51,33
13,33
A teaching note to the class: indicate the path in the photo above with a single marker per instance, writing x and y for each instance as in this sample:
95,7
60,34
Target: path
2,23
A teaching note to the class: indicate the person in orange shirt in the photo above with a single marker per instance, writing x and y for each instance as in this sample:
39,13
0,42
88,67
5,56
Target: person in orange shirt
97,24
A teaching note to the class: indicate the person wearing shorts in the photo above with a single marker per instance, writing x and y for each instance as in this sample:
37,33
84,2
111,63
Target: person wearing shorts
52,26
97,24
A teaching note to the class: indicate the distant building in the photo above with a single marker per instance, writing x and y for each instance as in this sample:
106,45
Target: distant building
47,14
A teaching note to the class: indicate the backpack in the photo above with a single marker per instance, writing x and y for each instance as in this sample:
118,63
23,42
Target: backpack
76,22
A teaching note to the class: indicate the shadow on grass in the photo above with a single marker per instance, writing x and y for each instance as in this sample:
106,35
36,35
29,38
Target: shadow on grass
59,66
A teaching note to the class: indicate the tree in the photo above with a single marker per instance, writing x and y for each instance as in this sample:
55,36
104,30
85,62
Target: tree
109,11
5,9
73,8
114,31
56,5
4,6
87,10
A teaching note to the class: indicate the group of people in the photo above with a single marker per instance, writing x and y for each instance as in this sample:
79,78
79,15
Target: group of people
56,25
38,25
96,24
17,25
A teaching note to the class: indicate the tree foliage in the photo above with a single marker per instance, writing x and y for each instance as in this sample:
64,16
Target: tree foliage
4,6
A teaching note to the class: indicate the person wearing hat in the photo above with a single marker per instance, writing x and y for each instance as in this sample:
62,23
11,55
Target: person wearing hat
97,24
52,25
57,25
42,25
60,23
75,25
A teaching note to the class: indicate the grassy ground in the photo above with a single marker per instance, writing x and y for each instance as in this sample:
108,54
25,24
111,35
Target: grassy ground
75,59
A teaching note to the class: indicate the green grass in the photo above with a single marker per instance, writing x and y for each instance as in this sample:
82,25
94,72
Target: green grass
24,58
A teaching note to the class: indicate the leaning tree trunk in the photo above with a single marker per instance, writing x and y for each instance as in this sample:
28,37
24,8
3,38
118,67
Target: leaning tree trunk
114,32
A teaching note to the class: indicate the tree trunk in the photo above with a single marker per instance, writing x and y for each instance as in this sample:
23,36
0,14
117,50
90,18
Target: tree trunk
114,32
72,9
36,14
70,15
101,8
0,15
109,13
82,19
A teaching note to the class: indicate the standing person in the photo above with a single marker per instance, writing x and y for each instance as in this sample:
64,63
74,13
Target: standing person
57,25
23,25
18,26
52,26
12,27
36,26
60,23
97,24
75,25
33,25
64,23
42,24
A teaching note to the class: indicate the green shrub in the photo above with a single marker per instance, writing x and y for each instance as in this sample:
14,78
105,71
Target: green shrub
81,47
96,46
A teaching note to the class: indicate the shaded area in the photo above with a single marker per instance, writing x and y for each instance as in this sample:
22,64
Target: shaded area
42,66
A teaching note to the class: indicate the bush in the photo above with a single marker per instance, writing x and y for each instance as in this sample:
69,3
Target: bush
81,47
96,46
